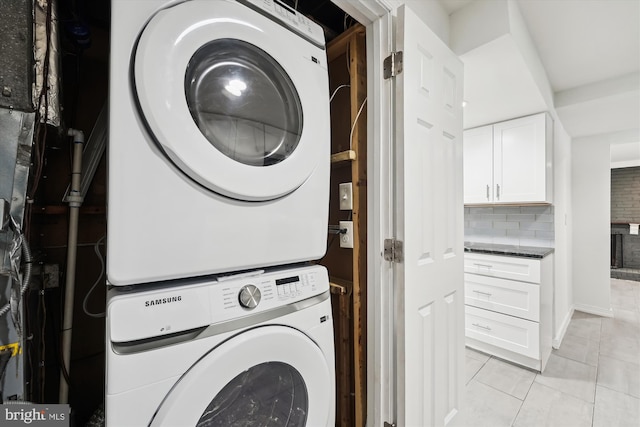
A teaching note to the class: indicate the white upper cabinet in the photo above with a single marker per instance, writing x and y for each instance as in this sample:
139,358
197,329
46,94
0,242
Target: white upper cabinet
478,165
509,162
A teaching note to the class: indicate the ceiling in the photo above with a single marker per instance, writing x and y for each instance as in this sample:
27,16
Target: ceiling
590,51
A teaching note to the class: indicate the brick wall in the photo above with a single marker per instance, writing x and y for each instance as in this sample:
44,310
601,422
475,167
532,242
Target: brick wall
510,225
625,194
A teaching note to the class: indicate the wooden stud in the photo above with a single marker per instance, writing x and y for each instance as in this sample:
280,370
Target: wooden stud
343,156
358,77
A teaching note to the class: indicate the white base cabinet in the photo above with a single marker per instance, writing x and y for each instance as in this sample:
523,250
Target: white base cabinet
508,307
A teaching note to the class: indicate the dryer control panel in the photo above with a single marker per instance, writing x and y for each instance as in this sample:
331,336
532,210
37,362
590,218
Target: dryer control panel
139,314
289,18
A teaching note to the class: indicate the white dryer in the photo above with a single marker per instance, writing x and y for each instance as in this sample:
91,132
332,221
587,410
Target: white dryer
238,351
219,138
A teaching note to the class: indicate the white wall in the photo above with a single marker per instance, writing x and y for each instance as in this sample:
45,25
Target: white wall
625,148
431,13
591,198
563,289
518,28
477,24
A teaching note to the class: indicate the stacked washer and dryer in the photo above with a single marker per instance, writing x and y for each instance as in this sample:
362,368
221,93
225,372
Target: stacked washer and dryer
218,196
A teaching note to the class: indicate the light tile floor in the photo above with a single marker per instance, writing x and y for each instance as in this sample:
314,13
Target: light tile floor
592,380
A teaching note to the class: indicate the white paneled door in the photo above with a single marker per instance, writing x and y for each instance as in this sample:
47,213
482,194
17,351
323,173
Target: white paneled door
429,222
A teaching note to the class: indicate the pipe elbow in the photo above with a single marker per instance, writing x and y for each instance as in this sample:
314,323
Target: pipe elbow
78,135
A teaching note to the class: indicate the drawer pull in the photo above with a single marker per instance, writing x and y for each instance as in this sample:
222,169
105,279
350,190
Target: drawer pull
481,326
483,265
482,293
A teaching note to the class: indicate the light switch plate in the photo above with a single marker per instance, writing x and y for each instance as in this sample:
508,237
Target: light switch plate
346,196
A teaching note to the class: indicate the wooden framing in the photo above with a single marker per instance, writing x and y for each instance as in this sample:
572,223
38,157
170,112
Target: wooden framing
348,267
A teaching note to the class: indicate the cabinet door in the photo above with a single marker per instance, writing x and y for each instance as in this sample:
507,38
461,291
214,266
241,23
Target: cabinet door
478,165
520,160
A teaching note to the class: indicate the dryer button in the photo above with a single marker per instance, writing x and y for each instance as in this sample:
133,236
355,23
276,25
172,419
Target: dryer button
249,296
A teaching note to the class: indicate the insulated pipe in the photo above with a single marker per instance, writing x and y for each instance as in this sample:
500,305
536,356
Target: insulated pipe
75,201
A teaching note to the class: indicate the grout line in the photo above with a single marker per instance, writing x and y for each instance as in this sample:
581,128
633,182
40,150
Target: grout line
525,399
595,389
593,410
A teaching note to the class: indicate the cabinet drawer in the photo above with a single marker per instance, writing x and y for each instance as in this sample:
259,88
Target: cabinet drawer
505,267
511,333
504,296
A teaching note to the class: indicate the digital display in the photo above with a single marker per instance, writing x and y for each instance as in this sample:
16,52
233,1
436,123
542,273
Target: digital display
286,280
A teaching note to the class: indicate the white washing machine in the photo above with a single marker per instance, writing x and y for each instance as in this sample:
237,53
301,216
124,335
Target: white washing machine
252,350
219,138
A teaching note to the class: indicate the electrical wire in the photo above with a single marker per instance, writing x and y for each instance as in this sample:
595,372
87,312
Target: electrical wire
96,249
336,91
354,124
346,24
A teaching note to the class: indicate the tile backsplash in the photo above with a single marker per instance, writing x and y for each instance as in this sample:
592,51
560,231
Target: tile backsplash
510,225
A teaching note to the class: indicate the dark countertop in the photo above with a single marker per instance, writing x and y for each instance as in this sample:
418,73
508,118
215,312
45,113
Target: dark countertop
507,250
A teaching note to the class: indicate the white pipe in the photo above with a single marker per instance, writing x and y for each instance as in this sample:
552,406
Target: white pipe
75,201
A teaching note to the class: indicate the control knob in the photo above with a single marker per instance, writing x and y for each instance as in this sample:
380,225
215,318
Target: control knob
249,296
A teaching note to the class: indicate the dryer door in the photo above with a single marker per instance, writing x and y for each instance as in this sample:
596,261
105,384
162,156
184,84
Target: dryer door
272,375
236,101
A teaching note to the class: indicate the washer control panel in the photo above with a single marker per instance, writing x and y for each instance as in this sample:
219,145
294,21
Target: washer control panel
232,297
138,314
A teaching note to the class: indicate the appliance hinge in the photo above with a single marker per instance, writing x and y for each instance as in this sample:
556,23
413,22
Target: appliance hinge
392,65
393,250
387,424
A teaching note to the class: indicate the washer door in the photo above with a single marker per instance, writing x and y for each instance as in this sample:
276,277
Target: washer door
272,375
225,93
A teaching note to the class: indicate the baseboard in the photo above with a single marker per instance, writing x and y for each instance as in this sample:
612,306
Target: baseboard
598,311
559,335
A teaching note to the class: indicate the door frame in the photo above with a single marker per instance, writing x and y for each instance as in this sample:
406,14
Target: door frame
376,16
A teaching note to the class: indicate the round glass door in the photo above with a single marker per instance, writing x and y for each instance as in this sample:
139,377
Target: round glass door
266,376
243,102
232,99
268,394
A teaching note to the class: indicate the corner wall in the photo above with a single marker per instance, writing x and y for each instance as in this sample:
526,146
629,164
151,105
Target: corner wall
591,196
563,271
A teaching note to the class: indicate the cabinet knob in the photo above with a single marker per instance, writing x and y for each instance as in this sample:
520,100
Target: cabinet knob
488,193
498,191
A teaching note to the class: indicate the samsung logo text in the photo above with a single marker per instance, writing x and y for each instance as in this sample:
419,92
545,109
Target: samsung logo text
161,301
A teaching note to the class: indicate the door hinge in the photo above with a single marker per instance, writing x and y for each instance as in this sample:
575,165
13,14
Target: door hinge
387,424
392,65
393,250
